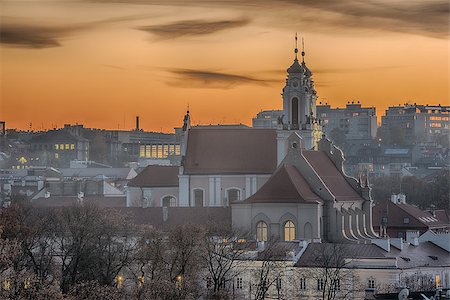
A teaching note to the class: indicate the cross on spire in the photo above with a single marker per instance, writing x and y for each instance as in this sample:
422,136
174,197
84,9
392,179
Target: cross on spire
303,50
296,48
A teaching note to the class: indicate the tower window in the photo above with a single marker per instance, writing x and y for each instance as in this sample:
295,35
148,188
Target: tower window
294,111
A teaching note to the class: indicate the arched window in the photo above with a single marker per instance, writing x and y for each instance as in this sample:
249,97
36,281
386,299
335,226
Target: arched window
261,231
198,197
233,195
169,201
289,231
294,111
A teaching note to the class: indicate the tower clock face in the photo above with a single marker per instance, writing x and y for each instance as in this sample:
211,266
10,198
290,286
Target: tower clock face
295,83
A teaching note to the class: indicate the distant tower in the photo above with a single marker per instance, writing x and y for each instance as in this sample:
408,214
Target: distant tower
299,106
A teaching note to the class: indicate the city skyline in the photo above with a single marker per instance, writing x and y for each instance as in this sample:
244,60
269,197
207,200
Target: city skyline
101,63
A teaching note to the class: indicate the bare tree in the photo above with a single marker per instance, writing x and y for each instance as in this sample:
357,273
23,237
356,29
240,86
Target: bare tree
222,252
333,272
93,244
269,273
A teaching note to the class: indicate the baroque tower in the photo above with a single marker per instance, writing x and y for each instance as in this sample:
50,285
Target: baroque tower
299,107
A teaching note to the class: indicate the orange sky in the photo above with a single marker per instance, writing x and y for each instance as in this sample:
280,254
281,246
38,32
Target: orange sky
100,63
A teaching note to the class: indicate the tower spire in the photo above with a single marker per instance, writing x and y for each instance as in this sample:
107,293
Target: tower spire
296,48
303,50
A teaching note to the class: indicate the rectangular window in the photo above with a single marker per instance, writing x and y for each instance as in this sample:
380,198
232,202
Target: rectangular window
61,147
56,155
171,150
337,285
147,151
56,147
72,146
141,151
239,283
160,151
67,146
405,220
435,124
371,284
177,150
165,151
320,284
154,151
302,284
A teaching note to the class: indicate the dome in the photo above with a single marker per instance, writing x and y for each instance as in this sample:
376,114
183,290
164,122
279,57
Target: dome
295,67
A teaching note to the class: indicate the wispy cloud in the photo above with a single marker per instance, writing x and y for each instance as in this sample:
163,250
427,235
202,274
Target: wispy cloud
18,33
192,27
212,79
35,37
421,17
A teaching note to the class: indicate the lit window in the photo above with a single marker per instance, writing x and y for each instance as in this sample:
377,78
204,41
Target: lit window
141,151
154,151
56,155
261,231
289,231
61,147
148,148
160,151
435,124
171,149
165,151
67,146
56,147
72,146
177,150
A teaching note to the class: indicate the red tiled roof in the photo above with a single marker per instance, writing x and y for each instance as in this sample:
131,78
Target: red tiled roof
286,185
331,176
231,151
156,176
60,201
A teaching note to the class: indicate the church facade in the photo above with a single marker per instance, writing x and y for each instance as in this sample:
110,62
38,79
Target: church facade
286,183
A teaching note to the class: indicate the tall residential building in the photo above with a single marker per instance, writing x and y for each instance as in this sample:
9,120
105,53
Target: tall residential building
357,123
412,124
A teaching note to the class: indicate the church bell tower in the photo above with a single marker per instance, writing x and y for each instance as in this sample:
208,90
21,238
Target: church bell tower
299,107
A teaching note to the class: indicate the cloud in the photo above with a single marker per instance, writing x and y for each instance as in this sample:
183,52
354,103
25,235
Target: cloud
421,17
213,80
192,28
35,37
17,33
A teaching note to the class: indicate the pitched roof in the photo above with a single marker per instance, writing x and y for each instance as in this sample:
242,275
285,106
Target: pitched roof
230,151
331,176
286,185
156,176
424,254
417,217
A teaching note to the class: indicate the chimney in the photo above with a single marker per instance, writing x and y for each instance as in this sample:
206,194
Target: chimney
137,123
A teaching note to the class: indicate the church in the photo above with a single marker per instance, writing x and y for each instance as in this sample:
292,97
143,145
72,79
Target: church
286,183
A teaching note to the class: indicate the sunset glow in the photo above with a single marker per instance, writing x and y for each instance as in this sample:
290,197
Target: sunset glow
100,63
